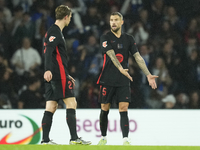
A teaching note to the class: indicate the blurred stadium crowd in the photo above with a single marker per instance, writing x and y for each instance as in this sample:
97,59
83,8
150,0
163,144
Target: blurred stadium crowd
167,33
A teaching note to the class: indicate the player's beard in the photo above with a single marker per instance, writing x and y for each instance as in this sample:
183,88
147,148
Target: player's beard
115,30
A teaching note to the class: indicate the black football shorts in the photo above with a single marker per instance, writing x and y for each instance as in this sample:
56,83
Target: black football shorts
118,94
59,89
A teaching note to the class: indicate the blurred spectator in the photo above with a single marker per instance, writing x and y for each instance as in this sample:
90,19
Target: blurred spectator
137,91
144,19
5,13
5,102
25,29
156,14
25,4
148,58
3,60
95,66
51,6
6,87
182,100
26,59
31,98
87,53
76,25
43,21
92,17
140,34
192,31
88,97
92,20
194,70
177,65
164,81
194,100
169,102
176,23
5,46
16,20
130,8
105,24
168,54
191,45
166,32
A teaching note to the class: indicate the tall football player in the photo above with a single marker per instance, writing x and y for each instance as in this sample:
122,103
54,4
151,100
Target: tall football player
114,78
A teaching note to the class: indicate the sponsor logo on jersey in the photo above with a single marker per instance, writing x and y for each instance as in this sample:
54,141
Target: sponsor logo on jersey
119,46
51,38
104,44
120,57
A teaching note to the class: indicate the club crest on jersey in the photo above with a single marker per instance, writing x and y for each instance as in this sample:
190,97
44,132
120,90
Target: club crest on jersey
104,44
51,38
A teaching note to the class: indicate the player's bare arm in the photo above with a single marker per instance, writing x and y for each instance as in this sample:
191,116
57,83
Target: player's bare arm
143,67
115,61
48,76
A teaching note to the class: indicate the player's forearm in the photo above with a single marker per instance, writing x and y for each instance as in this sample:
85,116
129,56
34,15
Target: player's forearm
141,63
114,59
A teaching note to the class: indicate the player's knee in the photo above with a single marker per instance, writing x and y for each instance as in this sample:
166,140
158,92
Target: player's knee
123,108
51,108
70,103
105,107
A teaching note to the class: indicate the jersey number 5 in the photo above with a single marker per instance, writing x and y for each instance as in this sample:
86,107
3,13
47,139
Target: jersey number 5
104,91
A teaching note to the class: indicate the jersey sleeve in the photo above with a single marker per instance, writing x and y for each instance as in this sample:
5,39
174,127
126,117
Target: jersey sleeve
105,44
133,48
50,44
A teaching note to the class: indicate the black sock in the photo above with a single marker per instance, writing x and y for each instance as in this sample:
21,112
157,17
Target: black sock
46,125
103,122
71,121
124,122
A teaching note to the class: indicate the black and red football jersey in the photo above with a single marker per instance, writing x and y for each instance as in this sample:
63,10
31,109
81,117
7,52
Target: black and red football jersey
122,46
55,53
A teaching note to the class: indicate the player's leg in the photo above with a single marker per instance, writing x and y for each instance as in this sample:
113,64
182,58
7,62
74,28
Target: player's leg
53,92
124,121
103,120
71,116
106,94
71,105
124,99
51,107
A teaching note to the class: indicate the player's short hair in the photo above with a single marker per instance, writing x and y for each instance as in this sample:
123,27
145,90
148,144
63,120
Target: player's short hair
118,14
62,11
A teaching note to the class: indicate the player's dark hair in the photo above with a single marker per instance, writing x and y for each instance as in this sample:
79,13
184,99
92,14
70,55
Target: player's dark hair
62,11
118,14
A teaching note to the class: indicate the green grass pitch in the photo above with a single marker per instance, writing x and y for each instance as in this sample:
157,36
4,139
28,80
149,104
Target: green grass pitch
94,147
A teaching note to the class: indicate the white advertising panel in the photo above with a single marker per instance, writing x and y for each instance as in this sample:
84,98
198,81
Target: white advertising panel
147,127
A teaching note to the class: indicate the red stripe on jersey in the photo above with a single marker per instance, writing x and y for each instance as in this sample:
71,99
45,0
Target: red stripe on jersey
104,61
62,70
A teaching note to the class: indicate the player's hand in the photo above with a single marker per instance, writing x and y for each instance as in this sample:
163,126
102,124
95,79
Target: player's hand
48,76
72,79
125,72
151,80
